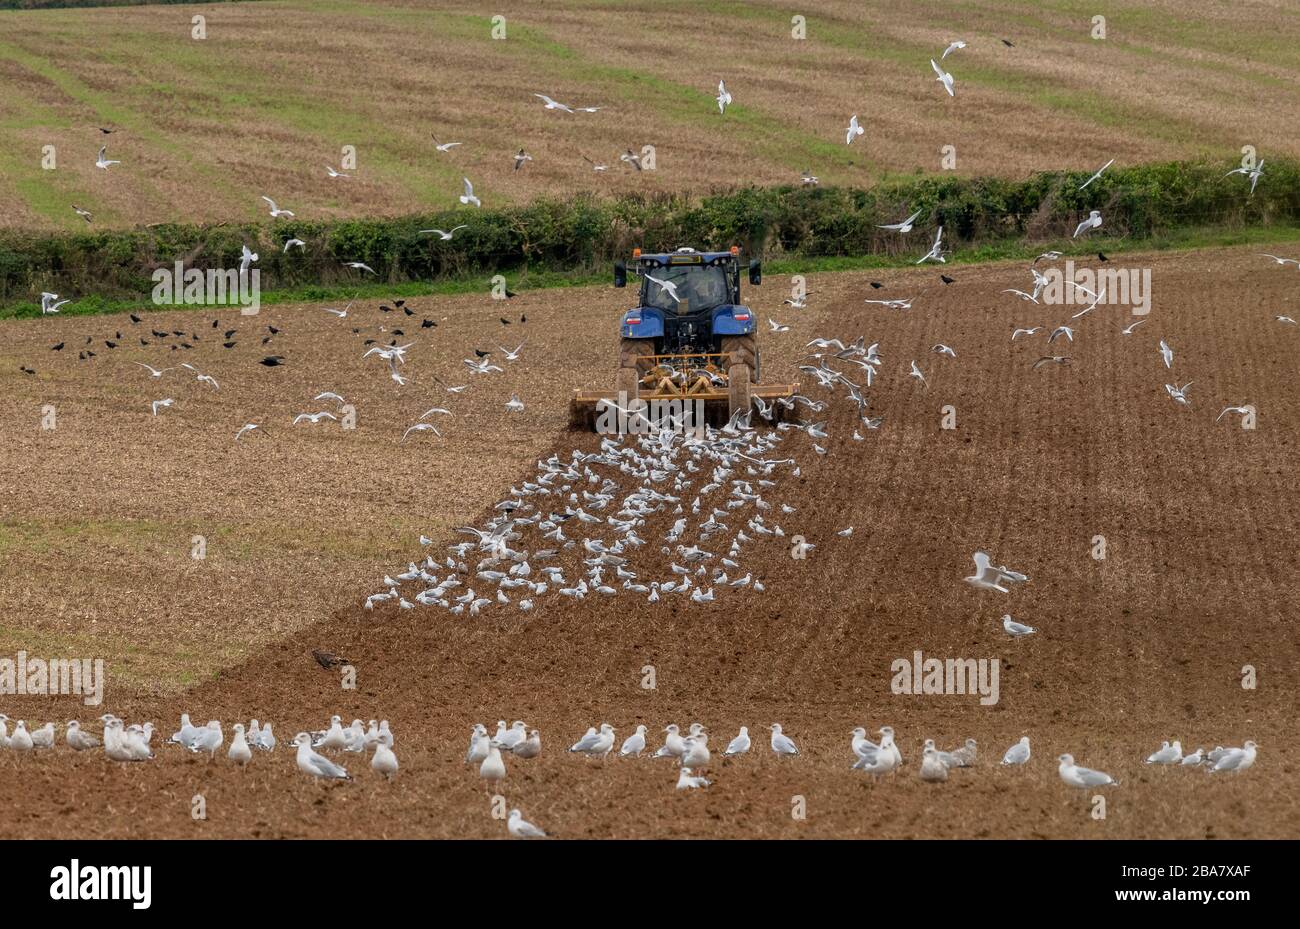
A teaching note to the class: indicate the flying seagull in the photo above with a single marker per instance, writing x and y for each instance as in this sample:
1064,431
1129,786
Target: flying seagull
276,212
444,147
669,286
853,130
446,234
989,577
246,258
1179,394
724,97
468,196
1050,359
1092,222
102,161
1253,173
554,104
944,77
332,173
520,157
1098,174
84,214
952,48
904,226
936,250
1239,410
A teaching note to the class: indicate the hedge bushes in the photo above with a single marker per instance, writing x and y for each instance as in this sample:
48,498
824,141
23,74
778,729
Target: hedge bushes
585,232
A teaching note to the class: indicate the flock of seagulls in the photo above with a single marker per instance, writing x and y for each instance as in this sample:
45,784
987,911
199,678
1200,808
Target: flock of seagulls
132,743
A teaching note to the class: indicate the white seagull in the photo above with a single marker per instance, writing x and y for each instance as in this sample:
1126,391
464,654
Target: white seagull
1098,174
1015,629
989,577
1077,776
276,212
724,97
1092,222
944,77
468,196
445,234
102,161
781,743
904,226
936,250
309,762
853,130
1017,754
740,744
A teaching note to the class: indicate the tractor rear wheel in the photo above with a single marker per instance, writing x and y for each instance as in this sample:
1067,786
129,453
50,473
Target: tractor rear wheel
632,352
743,350
632,365
742,370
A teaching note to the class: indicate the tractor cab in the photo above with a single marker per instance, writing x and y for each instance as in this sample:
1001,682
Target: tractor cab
690,342
689,301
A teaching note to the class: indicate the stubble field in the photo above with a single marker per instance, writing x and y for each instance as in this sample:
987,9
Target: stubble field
277,89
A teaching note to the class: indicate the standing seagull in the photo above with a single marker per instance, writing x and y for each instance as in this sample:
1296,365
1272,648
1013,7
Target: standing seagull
309,762
1017,754
521,828
1016,630
740,744
782,744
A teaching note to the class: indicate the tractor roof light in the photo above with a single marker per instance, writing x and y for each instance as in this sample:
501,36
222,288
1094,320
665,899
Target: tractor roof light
735,250
636,253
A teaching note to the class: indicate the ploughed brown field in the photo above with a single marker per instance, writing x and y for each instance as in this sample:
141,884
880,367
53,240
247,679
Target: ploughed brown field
277,89
1200,577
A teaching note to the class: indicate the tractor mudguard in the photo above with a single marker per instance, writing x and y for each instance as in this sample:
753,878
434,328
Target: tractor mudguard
733,320
645,322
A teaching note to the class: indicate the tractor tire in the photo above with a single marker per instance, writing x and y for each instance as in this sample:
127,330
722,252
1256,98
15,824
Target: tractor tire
743,350
627,382
738,385
629,352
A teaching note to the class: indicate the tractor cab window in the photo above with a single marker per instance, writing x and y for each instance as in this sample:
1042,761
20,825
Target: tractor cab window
703,287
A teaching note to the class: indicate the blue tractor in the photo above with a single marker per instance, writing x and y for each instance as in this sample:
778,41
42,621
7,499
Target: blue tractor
689,333
689,337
